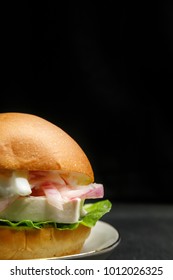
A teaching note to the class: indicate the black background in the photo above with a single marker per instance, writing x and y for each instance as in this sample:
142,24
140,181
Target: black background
103,73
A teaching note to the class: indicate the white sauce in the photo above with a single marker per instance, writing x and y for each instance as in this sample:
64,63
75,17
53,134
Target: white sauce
17,184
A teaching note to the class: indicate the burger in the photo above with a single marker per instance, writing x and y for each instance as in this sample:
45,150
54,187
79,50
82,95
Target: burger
45,182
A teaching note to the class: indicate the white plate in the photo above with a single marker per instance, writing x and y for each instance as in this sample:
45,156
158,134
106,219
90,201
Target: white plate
99,245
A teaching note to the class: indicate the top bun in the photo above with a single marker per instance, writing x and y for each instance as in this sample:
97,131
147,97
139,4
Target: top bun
29,142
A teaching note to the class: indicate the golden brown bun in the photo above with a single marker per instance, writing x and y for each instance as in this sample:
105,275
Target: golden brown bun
41,243
30,142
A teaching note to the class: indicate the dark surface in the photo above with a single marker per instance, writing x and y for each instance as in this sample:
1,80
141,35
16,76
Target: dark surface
146,231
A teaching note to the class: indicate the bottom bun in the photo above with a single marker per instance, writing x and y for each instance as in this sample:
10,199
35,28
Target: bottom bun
41,243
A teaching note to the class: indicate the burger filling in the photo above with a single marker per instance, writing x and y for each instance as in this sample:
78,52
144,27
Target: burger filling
46,196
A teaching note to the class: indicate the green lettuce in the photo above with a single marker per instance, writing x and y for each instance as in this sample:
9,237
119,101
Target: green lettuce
94,212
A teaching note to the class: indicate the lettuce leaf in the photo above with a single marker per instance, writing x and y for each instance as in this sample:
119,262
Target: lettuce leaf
94,212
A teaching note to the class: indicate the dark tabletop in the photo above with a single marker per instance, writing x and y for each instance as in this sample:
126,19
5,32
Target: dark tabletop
146,231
